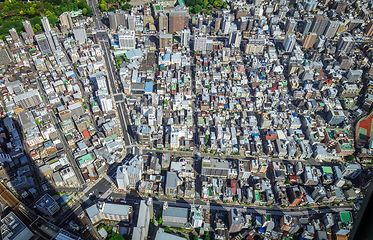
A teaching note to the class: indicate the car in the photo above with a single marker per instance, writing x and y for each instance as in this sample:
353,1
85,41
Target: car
90,194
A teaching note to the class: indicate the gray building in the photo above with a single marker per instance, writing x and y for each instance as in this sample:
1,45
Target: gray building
27,120
43,44
350,170
28,99
47,205
46,25
6,56
319,23
172,182
215,168
236,220
12,228
80,35
335,117
175,216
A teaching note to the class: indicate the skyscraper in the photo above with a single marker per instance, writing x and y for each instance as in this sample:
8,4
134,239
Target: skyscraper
126,39
309,40
290,25
6,56
14,34
289,42
310,5
226,24
319,24
345,43
49,37
235,39
369,29
320,42
162,22
28,28
185,37
66,20
242,23
112,20
131,23
178,20
43,44
119,16
80,35
331,29
46,25
217,24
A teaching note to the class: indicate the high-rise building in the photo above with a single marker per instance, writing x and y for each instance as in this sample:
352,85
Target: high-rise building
319,24
306,26
14,34
66,21
235,38
242,23
289,42
236,220
162,22
226,24
250,24
43,44
55,39
290,25
217,24
200,44
178,20
369,29
185,37
6,56
309,40
46,25
80,35
345,43
331,29
112,20
320,42
165,40
131,23
49,37
126,39
12,228
94,37
28,28
309,5
47,205
340,6
120,18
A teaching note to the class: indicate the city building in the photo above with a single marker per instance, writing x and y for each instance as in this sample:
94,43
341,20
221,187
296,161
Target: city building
369,29
309,40
6,56
165,40
290,25
289,42
215,168
236,220
112,20
28,99
335,117
28,28
319,24
162,22
331,29
345,43
12,228
109,211
47,205
185,37
66,21
178,20
14,34
175,216
43,44
140,232
46,25
80,35
126,39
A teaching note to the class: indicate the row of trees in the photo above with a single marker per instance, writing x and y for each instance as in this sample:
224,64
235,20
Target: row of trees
196,6
13,13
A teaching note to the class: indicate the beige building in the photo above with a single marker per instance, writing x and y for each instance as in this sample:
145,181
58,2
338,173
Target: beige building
309,40
66,20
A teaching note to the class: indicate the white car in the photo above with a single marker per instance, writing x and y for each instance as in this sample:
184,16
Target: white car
90,194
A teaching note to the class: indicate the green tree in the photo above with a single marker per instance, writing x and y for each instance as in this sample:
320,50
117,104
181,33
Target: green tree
126,7
31,11
218,4
350,158
197,9
195,237
111,9
103,7
167,229
160,221
84,11
38,27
